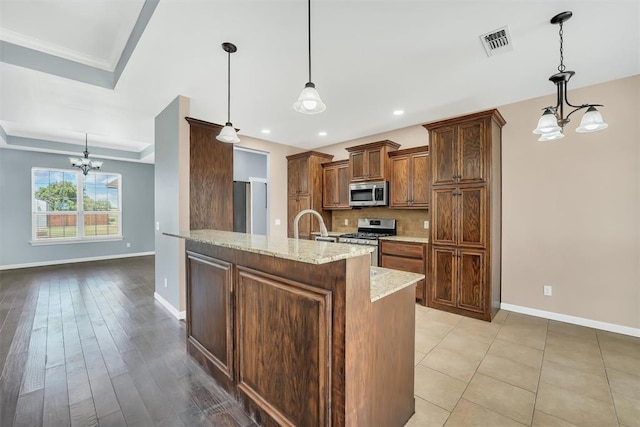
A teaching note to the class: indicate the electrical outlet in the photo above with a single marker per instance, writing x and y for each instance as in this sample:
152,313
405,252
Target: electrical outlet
547,290
157,225
165,282
277,222
128,244
346,221
426,224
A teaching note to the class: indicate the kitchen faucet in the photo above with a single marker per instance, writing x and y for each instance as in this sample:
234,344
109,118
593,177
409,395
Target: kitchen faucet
296,220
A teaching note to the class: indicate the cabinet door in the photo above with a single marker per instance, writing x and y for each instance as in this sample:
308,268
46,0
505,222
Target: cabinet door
298,176
294,205
210,310
471,152
471,280
420,187
472,217
444,155
444,224
399,183
329,187
374,164
443,275
343,186
357,160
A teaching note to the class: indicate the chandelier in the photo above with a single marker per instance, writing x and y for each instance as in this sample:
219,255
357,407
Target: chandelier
85,164
551,124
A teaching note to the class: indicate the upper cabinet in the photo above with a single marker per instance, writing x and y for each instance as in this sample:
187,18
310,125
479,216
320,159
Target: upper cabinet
335,185
304,191
459,153
370,162
409,178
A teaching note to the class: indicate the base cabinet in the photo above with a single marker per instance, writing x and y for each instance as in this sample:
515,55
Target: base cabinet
210,315
406,256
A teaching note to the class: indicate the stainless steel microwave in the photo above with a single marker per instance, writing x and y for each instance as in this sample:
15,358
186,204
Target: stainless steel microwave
369,194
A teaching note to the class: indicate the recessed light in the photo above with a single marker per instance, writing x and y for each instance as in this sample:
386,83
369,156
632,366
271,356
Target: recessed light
322,133
398,112
266,131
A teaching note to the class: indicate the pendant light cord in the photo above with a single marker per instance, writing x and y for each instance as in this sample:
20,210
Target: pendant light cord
309,29
228,87
86,146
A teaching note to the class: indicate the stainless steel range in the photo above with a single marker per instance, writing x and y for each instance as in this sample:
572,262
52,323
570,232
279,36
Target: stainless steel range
368,232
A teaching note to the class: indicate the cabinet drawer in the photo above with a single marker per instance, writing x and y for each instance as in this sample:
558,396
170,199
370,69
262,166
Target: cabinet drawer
404,264
411,250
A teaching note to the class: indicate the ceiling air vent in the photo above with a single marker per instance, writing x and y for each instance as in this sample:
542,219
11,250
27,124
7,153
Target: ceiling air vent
497,41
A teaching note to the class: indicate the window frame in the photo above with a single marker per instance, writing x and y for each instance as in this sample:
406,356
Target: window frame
79,212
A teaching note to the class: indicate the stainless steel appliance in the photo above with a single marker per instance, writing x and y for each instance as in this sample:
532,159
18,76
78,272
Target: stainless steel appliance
368,232
332,239
369,194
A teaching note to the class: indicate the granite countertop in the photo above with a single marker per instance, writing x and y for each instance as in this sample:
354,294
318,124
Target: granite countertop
308,251
385,281
405,239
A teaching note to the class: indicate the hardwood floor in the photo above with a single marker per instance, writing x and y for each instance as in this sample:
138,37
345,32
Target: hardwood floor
87,345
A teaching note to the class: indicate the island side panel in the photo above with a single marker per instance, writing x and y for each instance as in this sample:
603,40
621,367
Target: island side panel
210,316
284,349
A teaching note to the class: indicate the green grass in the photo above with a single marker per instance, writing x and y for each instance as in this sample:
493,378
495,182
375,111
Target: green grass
70,231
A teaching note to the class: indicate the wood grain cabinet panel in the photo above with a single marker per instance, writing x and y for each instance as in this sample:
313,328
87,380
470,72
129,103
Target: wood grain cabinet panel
409,182
210,178
304,191
466,214
210,312
370,162
406,256
335,185
284,333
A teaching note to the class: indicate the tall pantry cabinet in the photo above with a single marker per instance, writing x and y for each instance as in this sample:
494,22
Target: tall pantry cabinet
465,214
304,191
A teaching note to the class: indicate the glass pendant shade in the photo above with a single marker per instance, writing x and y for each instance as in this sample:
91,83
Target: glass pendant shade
96,164
551,136
228,134
309,101
548,123
591,121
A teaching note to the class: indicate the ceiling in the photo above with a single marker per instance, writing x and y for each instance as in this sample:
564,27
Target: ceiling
369,59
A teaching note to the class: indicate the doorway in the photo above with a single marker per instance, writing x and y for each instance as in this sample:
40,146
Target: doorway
251,191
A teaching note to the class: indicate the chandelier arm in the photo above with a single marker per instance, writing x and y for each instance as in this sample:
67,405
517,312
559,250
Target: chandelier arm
582,107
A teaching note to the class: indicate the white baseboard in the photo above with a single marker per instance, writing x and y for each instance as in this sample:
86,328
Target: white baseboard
74,260
180,315
595,324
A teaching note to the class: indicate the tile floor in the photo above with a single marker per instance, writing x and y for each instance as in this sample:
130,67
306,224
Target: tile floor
522,370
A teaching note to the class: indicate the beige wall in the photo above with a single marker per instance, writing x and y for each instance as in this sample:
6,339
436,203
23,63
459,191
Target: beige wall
571,209
277,177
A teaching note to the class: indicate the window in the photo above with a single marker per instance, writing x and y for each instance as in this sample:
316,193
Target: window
69,206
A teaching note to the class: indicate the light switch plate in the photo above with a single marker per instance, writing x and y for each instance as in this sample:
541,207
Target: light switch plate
346,221
277,222
157,225
426,224
547,290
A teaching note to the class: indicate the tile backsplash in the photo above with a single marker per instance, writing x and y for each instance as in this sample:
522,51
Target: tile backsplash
410,222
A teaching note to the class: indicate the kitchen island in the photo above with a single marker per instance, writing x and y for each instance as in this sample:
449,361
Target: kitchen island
302,333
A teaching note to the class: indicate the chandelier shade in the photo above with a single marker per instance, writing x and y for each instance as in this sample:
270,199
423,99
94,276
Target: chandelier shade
551,124
85,164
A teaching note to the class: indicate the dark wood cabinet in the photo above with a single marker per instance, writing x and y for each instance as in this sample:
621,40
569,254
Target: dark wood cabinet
210,315
370,162
335,185
210,178
409,179
304,191
406,256
466,214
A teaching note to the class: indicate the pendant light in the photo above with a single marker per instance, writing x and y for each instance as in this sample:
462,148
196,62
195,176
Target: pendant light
228,133
309,101
551,124
85,164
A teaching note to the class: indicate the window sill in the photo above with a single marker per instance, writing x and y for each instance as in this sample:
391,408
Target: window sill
73,241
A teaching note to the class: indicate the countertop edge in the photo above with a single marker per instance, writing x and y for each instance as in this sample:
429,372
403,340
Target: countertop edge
391,282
